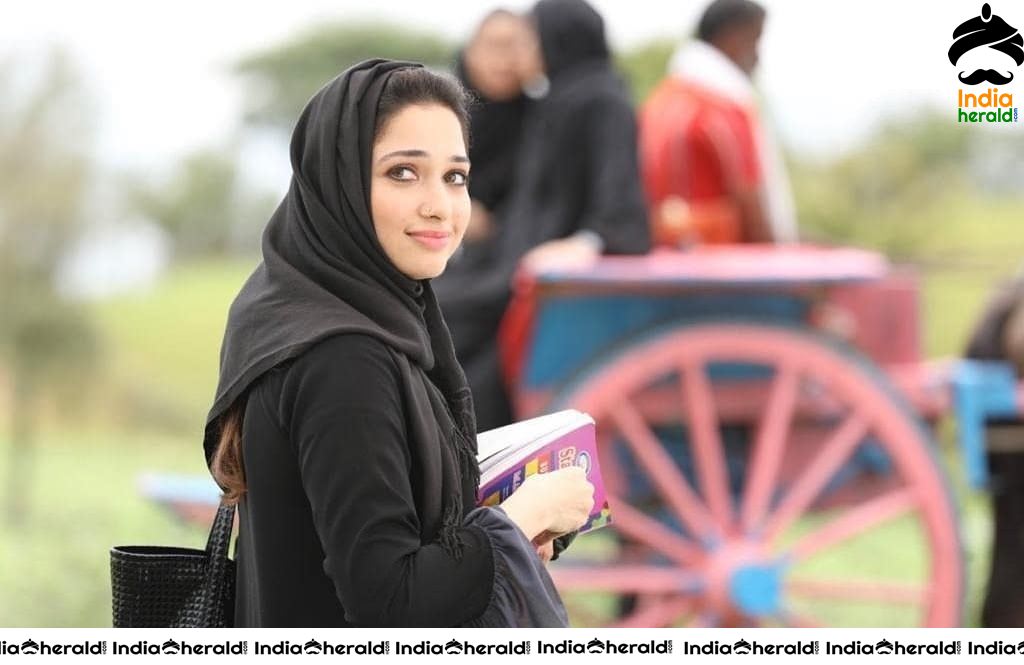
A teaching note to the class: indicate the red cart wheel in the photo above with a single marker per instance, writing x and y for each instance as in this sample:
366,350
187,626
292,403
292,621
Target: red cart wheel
832,511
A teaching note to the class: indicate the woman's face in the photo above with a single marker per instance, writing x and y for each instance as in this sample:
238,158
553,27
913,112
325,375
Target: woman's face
418,195
494,57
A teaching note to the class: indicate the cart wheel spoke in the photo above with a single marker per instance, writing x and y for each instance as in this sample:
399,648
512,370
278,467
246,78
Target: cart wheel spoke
660,468
614,480
856,521
769,446
631,579
652,533
707,442
826,463
659,613
871,591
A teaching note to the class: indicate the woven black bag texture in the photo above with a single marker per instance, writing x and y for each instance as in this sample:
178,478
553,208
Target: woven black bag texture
176,587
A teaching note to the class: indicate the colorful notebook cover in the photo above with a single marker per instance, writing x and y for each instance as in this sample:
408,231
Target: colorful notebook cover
567,439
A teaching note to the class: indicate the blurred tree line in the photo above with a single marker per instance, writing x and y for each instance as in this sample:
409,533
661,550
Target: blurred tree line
890,194
48,346
281,79
203,205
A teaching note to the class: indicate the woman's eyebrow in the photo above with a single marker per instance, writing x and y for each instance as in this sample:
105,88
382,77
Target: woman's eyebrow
419,153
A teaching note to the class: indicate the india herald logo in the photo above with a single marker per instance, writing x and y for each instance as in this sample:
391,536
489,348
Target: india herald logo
999,37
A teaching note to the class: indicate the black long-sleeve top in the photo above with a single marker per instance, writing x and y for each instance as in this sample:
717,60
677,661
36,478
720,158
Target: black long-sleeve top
330,529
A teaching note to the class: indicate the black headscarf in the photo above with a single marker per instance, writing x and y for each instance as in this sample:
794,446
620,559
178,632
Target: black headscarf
324,273
571,34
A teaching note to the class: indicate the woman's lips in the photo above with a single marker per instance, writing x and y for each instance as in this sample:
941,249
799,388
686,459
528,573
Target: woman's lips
435,240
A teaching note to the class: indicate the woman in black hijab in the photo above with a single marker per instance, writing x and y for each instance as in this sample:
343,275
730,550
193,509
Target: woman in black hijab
578,172
576,192
490,68
343,424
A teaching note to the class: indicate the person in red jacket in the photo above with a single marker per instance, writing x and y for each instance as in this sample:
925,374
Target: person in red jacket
711,171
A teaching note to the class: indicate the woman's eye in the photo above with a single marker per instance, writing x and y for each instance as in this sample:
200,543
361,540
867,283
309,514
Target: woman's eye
457,178
402,173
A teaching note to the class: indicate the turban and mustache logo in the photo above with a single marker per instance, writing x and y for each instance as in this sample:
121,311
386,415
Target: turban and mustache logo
991,31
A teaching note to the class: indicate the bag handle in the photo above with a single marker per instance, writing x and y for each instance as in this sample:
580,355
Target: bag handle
220,531
215,591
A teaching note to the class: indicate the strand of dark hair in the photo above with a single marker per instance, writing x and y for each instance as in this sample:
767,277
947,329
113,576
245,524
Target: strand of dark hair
227,465
408,87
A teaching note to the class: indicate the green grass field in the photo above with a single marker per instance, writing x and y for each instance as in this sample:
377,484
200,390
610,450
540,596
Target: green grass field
145,412
55,569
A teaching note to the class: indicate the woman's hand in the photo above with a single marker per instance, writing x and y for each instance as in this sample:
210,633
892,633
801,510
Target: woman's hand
572,253
556,502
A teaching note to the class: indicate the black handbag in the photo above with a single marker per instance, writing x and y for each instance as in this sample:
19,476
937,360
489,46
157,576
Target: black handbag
176,587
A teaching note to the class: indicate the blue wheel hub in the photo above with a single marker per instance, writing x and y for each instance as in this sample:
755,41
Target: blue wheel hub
757,589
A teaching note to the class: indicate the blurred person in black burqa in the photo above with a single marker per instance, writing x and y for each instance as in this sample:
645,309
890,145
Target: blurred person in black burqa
491,68
576,192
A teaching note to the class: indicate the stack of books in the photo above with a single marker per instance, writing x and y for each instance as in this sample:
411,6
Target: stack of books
508,455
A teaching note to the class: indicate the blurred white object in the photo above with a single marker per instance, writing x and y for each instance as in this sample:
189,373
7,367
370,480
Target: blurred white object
110,260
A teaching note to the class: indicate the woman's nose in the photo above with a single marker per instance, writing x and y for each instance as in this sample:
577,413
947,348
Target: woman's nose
436,204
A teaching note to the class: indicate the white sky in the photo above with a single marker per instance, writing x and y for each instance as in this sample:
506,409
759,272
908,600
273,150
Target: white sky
159,70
